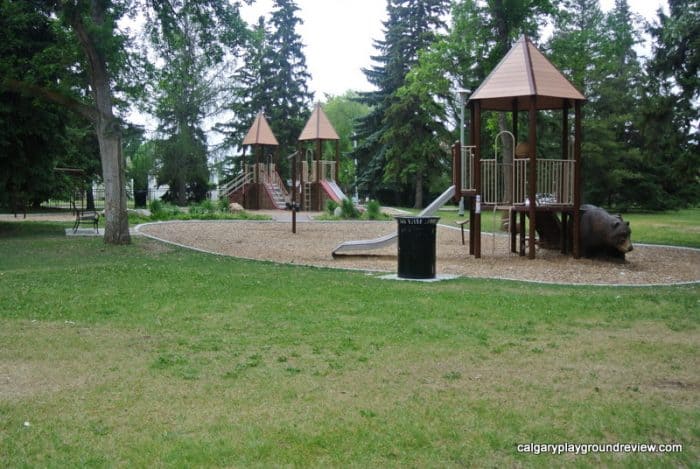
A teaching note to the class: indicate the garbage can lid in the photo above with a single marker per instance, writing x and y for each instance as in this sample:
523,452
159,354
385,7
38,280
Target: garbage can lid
414,220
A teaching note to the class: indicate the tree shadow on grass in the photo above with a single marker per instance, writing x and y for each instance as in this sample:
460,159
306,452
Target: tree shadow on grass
28,229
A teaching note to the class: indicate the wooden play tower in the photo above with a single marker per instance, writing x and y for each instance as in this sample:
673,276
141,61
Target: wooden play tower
318,176
544,191
259,185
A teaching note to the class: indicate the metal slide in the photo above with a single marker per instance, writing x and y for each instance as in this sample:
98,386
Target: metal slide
377,243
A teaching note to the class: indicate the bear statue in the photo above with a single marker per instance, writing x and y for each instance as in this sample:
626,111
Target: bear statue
604,235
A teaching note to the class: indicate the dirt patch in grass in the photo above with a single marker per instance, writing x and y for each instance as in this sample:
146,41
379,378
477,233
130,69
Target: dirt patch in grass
599,362
314,242
42,358
154,247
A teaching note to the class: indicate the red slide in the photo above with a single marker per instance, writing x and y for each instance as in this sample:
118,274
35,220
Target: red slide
330,190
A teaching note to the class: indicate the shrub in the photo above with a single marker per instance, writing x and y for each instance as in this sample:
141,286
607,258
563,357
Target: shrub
206,207
348,209
161,210
171,209
156,206
223,204
373,210
331,206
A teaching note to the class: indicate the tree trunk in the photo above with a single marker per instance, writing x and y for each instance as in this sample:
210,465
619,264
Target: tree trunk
181,188
107,129
116,218
419,190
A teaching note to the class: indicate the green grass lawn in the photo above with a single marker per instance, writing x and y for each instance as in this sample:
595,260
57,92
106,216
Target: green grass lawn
678,228
150,355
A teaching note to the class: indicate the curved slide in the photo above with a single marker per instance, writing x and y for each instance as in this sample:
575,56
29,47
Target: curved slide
348,247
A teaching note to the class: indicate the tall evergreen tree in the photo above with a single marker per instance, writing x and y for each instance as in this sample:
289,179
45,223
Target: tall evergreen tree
577,41
410,28
273,78
578,47
250,94
387,76
669,123
412,134
615,114
182,97
290,99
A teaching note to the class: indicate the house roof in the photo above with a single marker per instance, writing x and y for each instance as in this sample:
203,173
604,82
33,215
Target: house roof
318,127
523,74
260,132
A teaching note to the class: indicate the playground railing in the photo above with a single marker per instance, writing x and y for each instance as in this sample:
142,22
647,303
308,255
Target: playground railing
311,170
496,182
275,179
327,169
520,178
235,184
308,171
555,181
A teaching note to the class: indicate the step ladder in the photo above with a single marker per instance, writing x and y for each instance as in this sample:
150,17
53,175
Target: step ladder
307,196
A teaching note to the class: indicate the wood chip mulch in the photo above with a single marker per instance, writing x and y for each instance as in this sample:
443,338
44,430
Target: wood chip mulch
314,242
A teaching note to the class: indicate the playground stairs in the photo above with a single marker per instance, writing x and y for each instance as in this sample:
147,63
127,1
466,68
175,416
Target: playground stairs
277,196
548,229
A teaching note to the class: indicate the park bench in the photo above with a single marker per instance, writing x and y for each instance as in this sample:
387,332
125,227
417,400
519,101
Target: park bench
85,217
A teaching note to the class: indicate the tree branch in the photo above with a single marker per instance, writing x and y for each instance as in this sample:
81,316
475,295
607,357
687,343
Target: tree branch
72,104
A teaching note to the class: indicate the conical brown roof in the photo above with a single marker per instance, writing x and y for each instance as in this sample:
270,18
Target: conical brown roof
260,132
522,74
318,127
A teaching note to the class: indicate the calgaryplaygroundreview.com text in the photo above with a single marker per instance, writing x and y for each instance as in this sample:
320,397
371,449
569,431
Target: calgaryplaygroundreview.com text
586,448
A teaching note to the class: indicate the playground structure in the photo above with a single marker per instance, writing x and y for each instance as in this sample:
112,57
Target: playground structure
545,191
259,186
540,193
317,177
516,180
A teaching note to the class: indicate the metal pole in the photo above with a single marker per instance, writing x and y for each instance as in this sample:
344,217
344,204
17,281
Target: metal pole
461,92
461,118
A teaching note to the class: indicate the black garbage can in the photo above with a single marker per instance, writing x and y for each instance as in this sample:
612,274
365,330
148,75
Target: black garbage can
417,247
